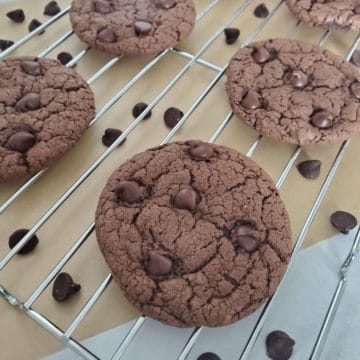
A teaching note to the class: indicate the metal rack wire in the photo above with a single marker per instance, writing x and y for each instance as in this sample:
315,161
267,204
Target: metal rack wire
65,335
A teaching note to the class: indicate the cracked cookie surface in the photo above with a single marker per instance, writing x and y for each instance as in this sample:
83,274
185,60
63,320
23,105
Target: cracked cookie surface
329,14
45,107
195,234
132,26
295,92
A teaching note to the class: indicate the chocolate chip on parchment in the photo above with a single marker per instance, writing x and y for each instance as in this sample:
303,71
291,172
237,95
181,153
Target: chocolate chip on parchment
64,287
208,356
4,44
139,108
279,345
52,8
231,35
172,116
16,15
343,221
64,57
34,24
110,135
15,238
310,169
261,11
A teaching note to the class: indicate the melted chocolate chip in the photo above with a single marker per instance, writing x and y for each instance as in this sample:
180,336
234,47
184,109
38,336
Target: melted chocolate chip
129,191
139,108
261,11
231,35
17,15
52,8
322,119
165,4
355,58
260,55
172,116
106,35
186,199
21,141
298,79
310,169
355,89
34,24
64,287
64,57
158,264
110,136
4,44
28,102
16,237
142,27
279,345
357,10
246,238
250,100
102,7
208,356
31,67
200,150
343,221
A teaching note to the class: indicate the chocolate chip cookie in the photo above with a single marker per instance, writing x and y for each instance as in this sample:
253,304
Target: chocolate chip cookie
329,14
295,92
195,234
45,108
132,27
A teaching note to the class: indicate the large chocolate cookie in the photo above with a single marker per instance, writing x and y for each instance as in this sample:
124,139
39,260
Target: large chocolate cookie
45,107
195,234
132,26
295,92
330,14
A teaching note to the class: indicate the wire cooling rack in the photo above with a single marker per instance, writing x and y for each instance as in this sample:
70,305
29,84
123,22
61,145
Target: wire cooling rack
66,335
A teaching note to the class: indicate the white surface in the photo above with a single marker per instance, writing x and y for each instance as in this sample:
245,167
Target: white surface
299,310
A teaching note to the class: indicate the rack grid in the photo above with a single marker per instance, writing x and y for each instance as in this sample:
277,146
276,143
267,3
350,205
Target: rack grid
65,335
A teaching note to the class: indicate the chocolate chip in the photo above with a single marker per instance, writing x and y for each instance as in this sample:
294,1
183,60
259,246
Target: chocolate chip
142,27
322,119
34,24
106,35
21,141
172,116
28,102
128,191
4,44
246,239
52,8
64,287
17,15
15,238
250,100
139,108
110,135
200,150
279,345
357,10
310,169
355,89
355,58
165,4
31,67
102,7
298,79
208,356
64,57
231,35
158,264
260,54
261,11
343,221
186,199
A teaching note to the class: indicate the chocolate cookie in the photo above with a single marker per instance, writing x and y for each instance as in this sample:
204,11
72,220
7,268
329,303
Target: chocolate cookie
295,92
132,27
329,14
45,107
195,234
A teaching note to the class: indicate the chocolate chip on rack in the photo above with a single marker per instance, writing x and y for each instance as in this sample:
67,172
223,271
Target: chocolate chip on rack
17,236
4,44
279,345
139,108
110,136
310,169
208,356
64,57
64,287
34,24
172,116
261,11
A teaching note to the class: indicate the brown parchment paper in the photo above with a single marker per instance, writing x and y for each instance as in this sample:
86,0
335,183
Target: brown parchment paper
21,337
